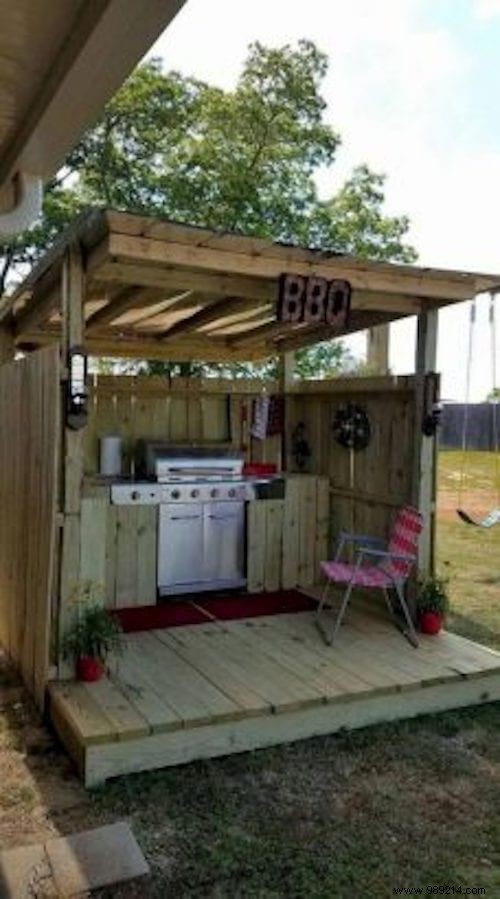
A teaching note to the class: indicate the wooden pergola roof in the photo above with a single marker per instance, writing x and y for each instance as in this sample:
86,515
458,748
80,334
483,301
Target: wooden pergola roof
160,290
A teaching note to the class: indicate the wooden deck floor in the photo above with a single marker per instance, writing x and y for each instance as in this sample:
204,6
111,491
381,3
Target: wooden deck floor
206,690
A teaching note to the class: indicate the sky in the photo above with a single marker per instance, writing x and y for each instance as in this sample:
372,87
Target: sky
413,89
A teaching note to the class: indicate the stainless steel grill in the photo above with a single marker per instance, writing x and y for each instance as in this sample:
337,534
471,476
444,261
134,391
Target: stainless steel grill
202,521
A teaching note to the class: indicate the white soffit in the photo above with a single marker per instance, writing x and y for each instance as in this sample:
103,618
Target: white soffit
60,61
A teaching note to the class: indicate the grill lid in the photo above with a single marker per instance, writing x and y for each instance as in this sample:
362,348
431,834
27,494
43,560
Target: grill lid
167,462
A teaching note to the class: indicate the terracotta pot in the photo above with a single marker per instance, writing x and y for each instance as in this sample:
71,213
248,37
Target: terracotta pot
89,669
431,622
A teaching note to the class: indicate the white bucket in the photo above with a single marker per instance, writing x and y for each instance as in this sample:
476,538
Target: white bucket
111,456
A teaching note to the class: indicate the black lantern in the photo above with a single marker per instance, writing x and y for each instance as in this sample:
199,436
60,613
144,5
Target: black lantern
76,389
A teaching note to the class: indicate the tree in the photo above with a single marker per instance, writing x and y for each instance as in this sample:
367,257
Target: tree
241,160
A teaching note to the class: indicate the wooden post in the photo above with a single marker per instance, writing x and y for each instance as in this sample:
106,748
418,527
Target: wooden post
7,346
426,447
285,379
377,356
72,296
286,369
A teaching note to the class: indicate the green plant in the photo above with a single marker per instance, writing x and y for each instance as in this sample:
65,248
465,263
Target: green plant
433,596
93,632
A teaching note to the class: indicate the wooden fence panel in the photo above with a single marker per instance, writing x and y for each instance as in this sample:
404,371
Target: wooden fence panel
366,486
29,478
177,411
118,550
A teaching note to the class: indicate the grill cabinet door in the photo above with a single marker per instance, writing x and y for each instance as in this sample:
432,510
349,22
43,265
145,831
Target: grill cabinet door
224,531
180,550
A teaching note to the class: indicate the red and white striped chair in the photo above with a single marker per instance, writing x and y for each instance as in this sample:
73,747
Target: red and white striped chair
376,566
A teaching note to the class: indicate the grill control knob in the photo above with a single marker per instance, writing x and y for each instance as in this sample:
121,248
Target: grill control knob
176,494
214,492
195,493
135,495
231,492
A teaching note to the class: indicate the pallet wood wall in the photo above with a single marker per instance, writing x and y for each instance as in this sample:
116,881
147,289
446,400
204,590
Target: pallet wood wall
190,410
29,459
287,539
367,486
118,550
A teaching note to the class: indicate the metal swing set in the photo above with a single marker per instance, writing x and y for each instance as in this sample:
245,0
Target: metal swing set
493,517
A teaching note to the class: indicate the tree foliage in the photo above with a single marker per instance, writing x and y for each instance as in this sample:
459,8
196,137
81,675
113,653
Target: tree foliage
239,160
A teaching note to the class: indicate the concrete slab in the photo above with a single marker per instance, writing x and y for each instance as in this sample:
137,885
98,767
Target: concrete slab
25,872
95,858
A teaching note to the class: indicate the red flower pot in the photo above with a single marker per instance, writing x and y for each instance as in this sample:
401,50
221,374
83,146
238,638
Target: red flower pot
431,622
89,669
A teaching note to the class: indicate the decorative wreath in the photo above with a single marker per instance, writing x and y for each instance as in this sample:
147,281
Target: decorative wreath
351,427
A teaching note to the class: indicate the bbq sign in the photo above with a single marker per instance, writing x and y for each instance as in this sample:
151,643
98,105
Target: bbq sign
313,301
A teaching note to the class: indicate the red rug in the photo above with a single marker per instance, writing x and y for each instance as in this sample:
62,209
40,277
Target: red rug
175,612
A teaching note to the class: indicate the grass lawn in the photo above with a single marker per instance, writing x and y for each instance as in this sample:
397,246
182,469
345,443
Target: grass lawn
470,556
415,804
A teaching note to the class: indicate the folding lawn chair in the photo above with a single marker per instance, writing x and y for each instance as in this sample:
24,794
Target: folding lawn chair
388,569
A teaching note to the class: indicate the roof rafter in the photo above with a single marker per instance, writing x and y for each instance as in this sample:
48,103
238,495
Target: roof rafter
205,316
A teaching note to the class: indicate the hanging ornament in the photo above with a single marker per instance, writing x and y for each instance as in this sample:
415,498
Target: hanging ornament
351,427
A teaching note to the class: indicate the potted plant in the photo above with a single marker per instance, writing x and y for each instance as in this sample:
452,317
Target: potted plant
433,605
92,635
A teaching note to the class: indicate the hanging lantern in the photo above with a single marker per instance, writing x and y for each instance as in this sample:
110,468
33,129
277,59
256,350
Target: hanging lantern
76,389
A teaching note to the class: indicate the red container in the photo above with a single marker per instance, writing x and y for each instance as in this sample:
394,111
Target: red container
89,669
259,468
431,622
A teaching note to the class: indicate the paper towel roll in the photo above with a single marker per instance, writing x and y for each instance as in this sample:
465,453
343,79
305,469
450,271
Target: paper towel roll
111,456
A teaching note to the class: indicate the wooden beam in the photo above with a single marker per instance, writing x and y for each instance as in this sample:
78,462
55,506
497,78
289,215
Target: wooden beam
261,333
242,321
362,384
364,276
208,350
38,310
359,321
242,326
7,345
376,301
424,482
377,356
165,277
85,230
213,312
122,302
185,300
225,284
73,293
293,337
426,345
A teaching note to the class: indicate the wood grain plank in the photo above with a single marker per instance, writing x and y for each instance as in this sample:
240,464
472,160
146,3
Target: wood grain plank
256,546
147,522
290,573
93,536
273,544
195,649
190,694
126,720
85,716
147,697
126,556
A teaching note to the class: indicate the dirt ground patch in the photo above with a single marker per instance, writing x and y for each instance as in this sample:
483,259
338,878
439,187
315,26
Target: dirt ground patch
39,789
